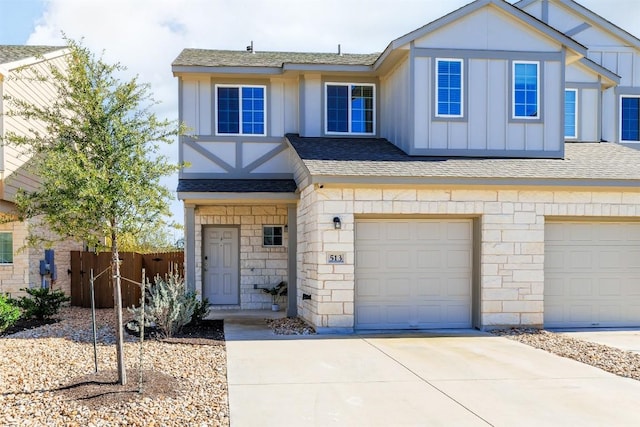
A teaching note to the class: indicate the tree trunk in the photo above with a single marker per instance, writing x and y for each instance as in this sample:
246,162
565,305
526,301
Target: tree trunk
117,304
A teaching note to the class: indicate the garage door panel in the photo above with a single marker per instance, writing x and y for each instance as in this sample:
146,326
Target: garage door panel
580,259
630,287
459,231
609,313
458,314
592,274
396,258
554,287
429,314
423,281
429,259
609,287
581,233
580,287
398,287
428,231
367,259
398,231
428,287
457,258
610,259
368,231
458,287
368,287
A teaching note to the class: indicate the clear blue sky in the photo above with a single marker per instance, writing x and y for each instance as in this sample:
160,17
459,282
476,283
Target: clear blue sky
17,19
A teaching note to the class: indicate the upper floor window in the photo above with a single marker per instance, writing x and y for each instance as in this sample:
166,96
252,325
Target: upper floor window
240,110
630,118
526,90
350,108
6,247
570,113
449,88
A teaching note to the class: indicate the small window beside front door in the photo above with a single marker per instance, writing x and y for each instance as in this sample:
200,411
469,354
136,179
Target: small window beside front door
272,235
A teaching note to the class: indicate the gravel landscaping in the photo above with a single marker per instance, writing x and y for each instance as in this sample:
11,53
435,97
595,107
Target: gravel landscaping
290,326
47,377
610,359
47,373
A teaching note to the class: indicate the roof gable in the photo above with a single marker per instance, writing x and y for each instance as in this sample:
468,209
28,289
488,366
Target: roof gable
470,8
588,15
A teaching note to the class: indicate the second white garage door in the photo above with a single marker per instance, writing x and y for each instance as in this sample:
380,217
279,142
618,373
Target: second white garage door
413,274
592,274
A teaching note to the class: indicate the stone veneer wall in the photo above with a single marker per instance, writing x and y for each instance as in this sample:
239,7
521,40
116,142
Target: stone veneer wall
511,247
264,266
25,270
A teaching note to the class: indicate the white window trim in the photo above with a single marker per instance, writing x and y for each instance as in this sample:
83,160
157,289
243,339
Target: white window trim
215,110
513,91
620,120
12,251
349,132
272,246
461,87
575,125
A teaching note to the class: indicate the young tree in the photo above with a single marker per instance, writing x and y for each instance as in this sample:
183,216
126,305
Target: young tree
95,149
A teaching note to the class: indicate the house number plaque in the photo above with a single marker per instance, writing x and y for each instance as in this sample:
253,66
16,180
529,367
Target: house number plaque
335,258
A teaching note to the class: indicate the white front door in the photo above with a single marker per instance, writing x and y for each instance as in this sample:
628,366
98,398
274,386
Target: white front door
220,266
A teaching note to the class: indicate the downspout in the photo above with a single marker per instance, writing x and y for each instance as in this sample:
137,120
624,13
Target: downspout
292,288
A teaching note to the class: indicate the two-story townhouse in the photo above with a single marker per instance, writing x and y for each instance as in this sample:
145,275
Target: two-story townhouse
20,263
455,180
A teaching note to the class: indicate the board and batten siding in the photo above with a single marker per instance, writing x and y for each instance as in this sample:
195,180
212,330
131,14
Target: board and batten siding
243,156
487,127
395,103
487,41
605,49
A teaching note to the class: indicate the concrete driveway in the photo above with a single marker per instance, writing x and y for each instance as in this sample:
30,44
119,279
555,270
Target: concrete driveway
624,339
472,379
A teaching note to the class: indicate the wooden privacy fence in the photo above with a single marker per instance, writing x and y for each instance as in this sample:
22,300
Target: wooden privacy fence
130,268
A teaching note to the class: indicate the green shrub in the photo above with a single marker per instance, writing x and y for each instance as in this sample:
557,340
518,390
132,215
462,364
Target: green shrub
9,313
201,309
167,305
42,303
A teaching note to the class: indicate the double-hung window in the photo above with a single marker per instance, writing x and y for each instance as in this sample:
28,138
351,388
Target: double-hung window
240,110
630,118
570,113
526,90
350,108
449,88
6,247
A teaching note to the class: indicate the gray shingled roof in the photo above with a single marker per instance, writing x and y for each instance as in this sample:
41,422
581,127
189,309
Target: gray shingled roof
11,53
236,186
233,58
375,157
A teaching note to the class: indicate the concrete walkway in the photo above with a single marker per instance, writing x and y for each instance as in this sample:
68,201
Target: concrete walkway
461,379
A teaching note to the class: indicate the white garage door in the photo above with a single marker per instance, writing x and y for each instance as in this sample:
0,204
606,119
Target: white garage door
592,274
413,274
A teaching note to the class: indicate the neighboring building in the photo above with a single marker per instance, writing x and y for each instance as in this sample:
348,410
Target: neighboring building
19,264
470,175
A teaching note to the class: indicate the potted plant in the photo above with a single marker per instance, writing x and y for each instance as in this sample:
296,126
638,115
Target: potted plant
276,292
